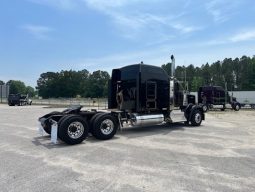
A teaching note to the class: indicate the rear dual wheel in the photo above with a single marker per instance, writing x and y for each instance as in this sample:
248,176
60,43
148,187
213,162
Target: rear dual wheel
104,126
73,129
92,120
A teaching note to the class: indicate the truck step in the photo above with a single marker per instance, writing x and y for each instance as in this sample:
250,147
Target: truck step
177,116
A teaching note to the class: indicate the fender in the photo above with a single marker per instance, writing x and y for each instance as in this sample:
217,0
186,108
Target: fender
56,115
187,110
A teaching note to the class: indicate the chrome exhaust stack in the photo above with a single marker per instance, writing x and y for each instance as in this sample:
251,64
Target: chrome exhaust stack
172,66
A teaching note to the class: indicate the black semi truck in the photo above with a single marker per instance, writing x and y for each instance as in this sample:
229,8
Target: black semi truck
139,95
18,99
211,96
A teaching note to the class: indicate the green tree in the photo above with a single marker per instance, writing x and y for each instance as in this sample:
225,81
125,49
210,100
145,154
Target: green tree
30,91
205,74
47,84
246,73
252,74
1,82
237,74
227,73
97,85
168,68
83,82
180,72
17,87
196,83
189,74
73,83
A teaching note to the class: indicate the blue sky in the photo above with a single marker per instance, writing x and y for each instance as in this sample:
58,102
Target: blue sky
37,36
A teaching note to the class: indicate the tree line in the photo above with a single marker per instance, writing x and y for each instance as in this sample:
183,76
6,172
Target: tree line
16,86
236,74
65,84
73,84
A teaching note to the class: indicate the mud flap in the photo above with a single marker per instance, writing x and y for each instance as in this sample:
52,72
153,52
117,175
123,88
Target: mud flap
40,129
54,132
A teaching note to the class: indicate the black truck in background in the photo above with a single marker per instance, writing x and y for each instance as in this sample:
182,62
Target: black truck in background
211,96
18,99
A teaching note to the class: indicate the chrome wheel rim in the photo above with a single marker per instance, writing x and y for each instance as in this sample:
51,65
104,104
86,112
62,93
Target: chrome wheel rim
237,107
198,118
204,108
75,130
107,126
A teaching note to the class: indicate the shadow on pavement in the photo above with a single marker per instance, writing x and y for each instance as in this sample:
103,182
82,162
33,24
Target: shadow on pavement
128,132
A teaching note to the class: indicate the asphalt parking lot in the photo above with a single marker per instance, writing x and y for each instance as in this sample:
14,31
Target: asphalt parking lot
217,156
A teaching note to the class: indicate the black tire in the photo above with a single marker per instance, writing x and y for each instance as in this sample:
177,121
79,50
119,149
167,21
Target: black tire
61,120
205,108
236,106
73,129
223,108
104,127
92,120
196,118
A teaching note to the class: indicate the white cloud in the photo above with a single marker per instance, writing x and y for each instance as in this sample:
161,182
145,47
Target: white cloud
244,36
134,23
220,10
133,17
118,11
38,31
185,29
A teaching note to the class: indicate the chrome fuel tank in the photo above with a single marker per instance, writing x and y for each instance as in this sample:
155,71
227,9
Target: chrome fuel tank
142,120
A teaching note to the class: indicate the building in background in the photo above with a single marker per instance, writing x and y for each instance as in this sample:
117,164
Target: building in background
4,92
